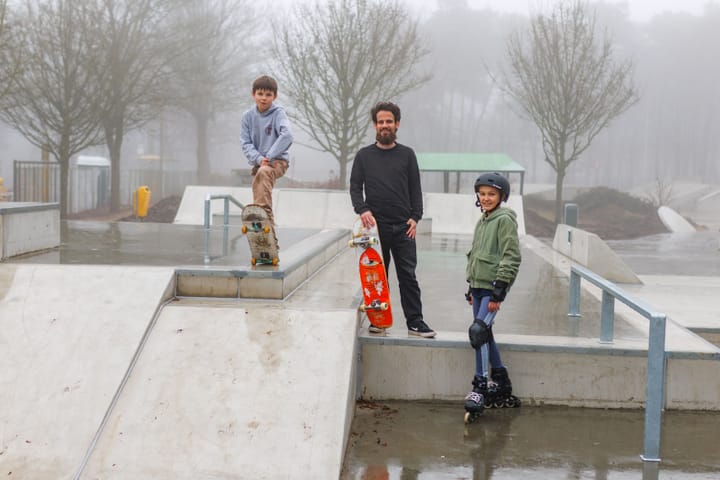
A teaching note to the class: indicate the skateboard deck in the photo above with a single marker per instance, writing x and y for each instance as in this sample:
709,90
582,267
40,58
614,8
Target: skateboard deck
260,234
373,276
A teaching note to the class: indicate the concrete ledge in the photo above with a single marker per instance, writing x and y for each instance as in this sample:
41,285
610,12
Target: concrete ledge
536,343
457,213
28,227
591,251
297,264
569,371
315,208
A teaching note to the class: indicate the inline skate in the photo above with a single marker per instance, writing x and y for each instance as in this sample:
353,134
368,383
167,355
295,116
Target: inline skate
499,390
475,400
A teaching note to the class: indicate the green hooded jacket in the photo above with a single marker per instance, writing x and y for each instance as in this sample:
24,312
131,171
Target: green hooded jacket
495,252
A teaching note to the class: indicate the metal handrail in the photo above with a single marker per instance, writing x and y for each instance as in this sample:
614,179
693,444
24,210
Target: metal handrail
655,387
226,220
226,207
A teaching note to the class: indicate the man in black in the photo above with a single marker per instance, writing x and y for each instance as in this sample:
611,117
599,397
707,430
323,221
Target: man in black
388,175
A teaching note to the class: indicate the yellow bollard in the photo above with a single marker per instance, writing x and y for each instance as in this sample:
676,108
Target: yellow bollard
141,202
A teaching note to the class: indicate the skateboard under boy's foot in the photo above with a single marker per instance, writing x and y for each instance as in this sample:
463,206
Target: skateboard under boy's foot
260,234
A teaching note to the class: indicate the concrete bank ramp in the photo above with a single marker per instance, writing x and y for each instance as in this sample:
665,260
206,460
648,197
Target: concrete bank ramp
67,335
217,390
591,251
673,221
229,393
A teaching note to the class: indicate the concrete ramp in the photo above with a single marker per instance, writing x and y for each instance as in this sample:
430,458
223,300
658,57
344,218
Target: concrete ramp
67,335
103,378
591,251
227,393
673,221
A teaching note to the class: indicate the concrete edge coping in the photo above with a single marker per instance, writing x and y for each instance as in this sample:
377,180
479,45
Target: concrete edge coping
531,343
295,257
23,207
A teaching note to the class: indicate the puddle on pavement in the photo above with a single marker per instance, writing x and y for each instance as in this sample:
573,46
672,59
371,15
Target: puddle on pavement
418,440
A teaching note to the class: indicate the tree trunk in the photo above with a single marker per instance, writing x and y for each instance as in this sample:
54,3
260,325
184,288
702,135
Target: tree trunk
342,179
63,159
114,139
203,158
559,180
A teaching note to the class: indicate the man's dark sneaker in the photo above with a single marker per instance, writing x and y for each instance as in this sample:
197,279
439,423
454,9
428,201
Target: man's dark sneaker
420,328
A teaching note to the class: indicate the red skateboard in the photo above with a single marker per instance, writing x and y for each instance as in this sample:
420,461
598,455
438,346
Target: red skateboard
373,277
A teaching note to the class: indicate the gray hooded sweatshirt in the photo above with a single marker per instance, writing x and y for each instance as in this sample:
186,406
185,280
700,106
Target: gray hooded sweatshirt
265,134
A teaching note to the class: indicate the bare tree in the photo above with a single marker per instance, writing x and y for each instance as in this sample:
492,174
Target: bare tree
337,58
53,102
567,83
10,58
131,52
662,194
211,74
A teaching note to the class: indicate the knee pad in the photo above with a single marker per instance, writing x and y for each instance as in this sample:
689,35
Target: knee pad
479,334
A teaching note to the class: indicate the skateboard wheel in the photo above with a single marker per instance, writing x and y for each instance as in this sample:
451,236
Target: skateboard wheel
373,241
384,306
266,230
363,308
275,261
244,229
253,260
351,243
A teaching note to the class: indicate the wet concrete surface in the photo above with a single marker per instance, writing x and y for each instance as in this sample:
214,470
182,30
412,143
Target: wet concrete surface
413,440
537,303
691,254
408,440
153,244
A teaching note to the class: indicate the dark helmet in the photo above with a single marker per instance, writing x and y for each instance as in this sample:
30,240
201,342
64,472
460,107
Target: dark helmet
494,180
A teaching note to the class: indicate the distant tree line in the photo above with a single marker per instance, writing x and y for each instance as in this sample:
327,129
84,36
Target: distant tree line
576,85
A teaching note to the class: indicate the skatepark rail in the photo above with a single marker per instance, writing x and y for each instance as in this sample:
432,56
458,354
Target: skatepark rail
226,219
655,383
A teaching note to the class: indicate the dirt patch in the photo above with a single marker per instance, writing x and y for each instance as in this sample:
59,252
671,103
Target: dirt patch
163,211
608,213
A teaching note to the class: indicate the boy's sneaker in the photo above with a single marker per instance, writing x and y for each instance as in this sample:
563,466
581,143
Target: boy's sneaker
420,328
373,329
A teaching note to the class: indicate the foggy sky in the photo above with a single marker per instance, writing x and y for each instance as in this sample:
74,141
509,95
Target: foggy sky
640,10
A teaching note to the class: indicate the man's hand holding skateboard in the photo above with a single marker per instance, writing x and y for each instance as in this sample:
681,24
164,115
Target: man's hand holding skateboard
368,221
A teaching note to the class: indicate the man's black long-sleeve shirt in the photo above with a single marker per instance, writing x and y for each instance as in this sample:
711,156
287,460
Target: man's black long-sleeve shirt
391,183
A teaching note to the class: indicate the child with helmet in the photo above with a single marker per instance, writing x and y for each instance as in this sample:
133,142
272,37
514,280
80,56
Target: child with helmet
493,264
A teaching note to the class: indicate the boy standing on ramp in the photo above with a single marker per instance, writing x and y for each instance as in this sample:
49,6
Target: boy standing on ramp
266,138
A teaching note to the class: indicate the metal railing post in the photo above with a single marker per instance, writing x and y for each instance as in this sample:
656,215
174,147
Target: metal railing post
655,394
206,220
607,317
574,308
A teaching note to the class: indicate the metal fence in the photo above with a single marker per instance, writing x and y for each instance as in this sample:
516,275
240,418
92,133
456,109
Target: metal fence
89,186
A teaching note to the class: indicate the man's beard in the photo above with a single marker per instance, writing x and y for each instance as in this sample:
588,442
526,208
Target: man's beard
386,138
